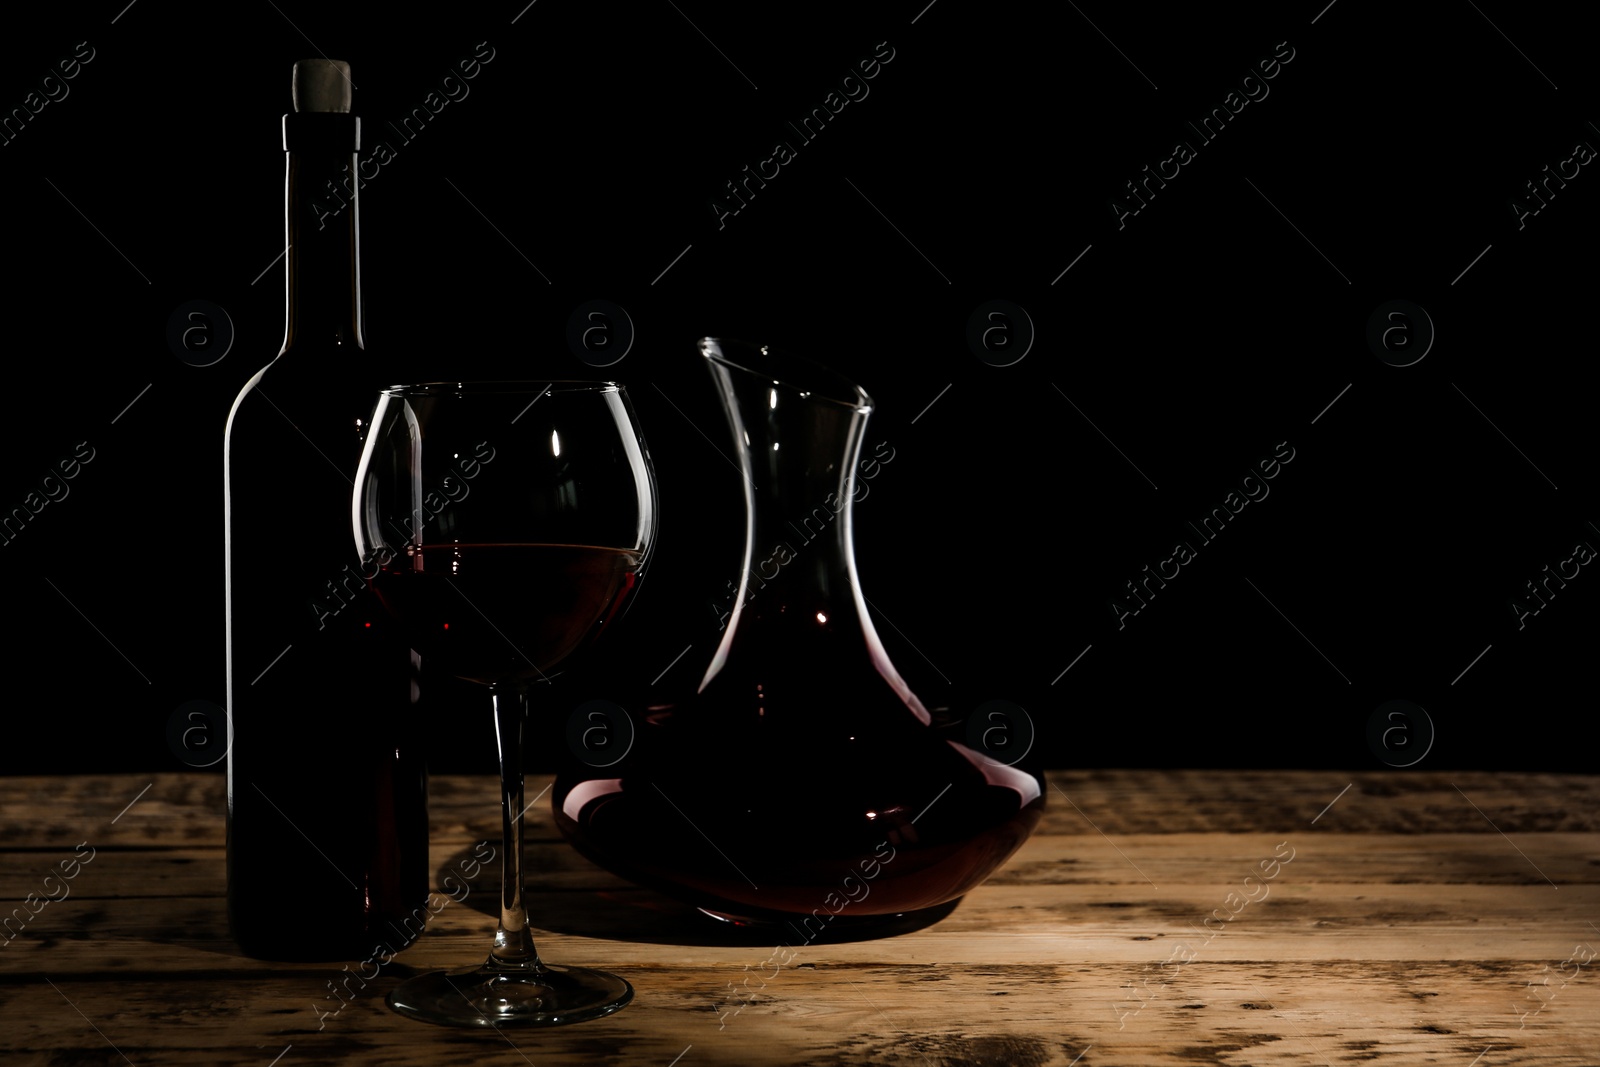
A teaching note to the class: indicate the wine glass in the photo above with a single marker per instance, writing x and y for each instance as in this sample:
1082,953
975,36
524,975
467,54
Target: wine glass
504,524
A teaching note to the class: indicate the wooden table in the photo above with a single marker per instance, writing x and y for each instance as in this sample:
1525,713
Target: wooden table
1438,918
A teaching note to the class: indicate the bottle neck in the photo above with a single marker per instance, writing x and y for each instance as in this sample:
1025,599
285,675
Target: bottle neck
322,232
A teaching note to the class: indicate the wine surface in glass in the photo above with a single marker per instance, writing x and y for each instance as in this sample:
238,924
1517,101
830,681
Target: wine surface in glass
492,613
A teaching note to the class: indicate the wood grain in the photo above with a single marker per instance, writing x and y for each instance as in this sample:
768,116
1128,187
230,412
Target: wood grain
1406,928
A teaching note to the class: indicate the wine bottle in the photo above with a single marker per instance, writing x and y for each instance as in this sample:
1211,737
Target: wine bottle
327,842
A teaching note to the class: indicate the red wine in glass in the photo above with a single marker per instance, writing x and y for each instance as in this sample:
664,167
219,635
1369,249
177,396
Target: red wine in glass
492,613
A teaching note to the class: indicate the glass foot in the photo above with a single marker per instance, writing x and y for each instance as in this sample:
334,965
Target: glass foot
544,995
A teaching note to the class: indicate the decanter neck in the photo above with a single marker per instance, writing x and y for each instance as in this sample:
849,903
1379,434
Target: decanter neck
798,450
798,429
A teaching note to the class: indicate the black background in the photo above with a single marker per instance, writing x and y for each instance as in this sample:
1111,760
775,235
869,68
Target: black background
1206,330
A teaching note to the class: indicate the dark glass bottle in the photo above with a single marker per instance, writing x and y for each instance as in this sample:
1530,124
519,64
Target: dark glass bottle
327,834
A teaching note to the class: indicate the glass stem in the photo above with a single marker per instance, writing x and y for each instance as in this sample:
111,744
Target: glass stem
513,945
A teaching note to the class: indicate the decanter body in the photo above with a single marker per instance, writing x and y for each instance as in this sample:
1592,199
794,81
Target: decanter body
804,779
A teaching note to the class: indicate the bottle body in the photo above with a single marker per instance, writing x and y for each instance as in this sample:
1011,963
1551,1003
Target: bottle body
327,813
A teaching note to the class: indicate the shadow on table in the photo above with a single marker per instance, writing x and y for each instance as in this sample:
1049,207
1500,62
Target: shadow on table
632,913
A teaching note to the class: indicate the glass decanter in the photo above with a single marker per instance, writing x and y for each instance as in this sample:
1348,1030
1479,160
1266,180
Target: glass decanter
803,780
